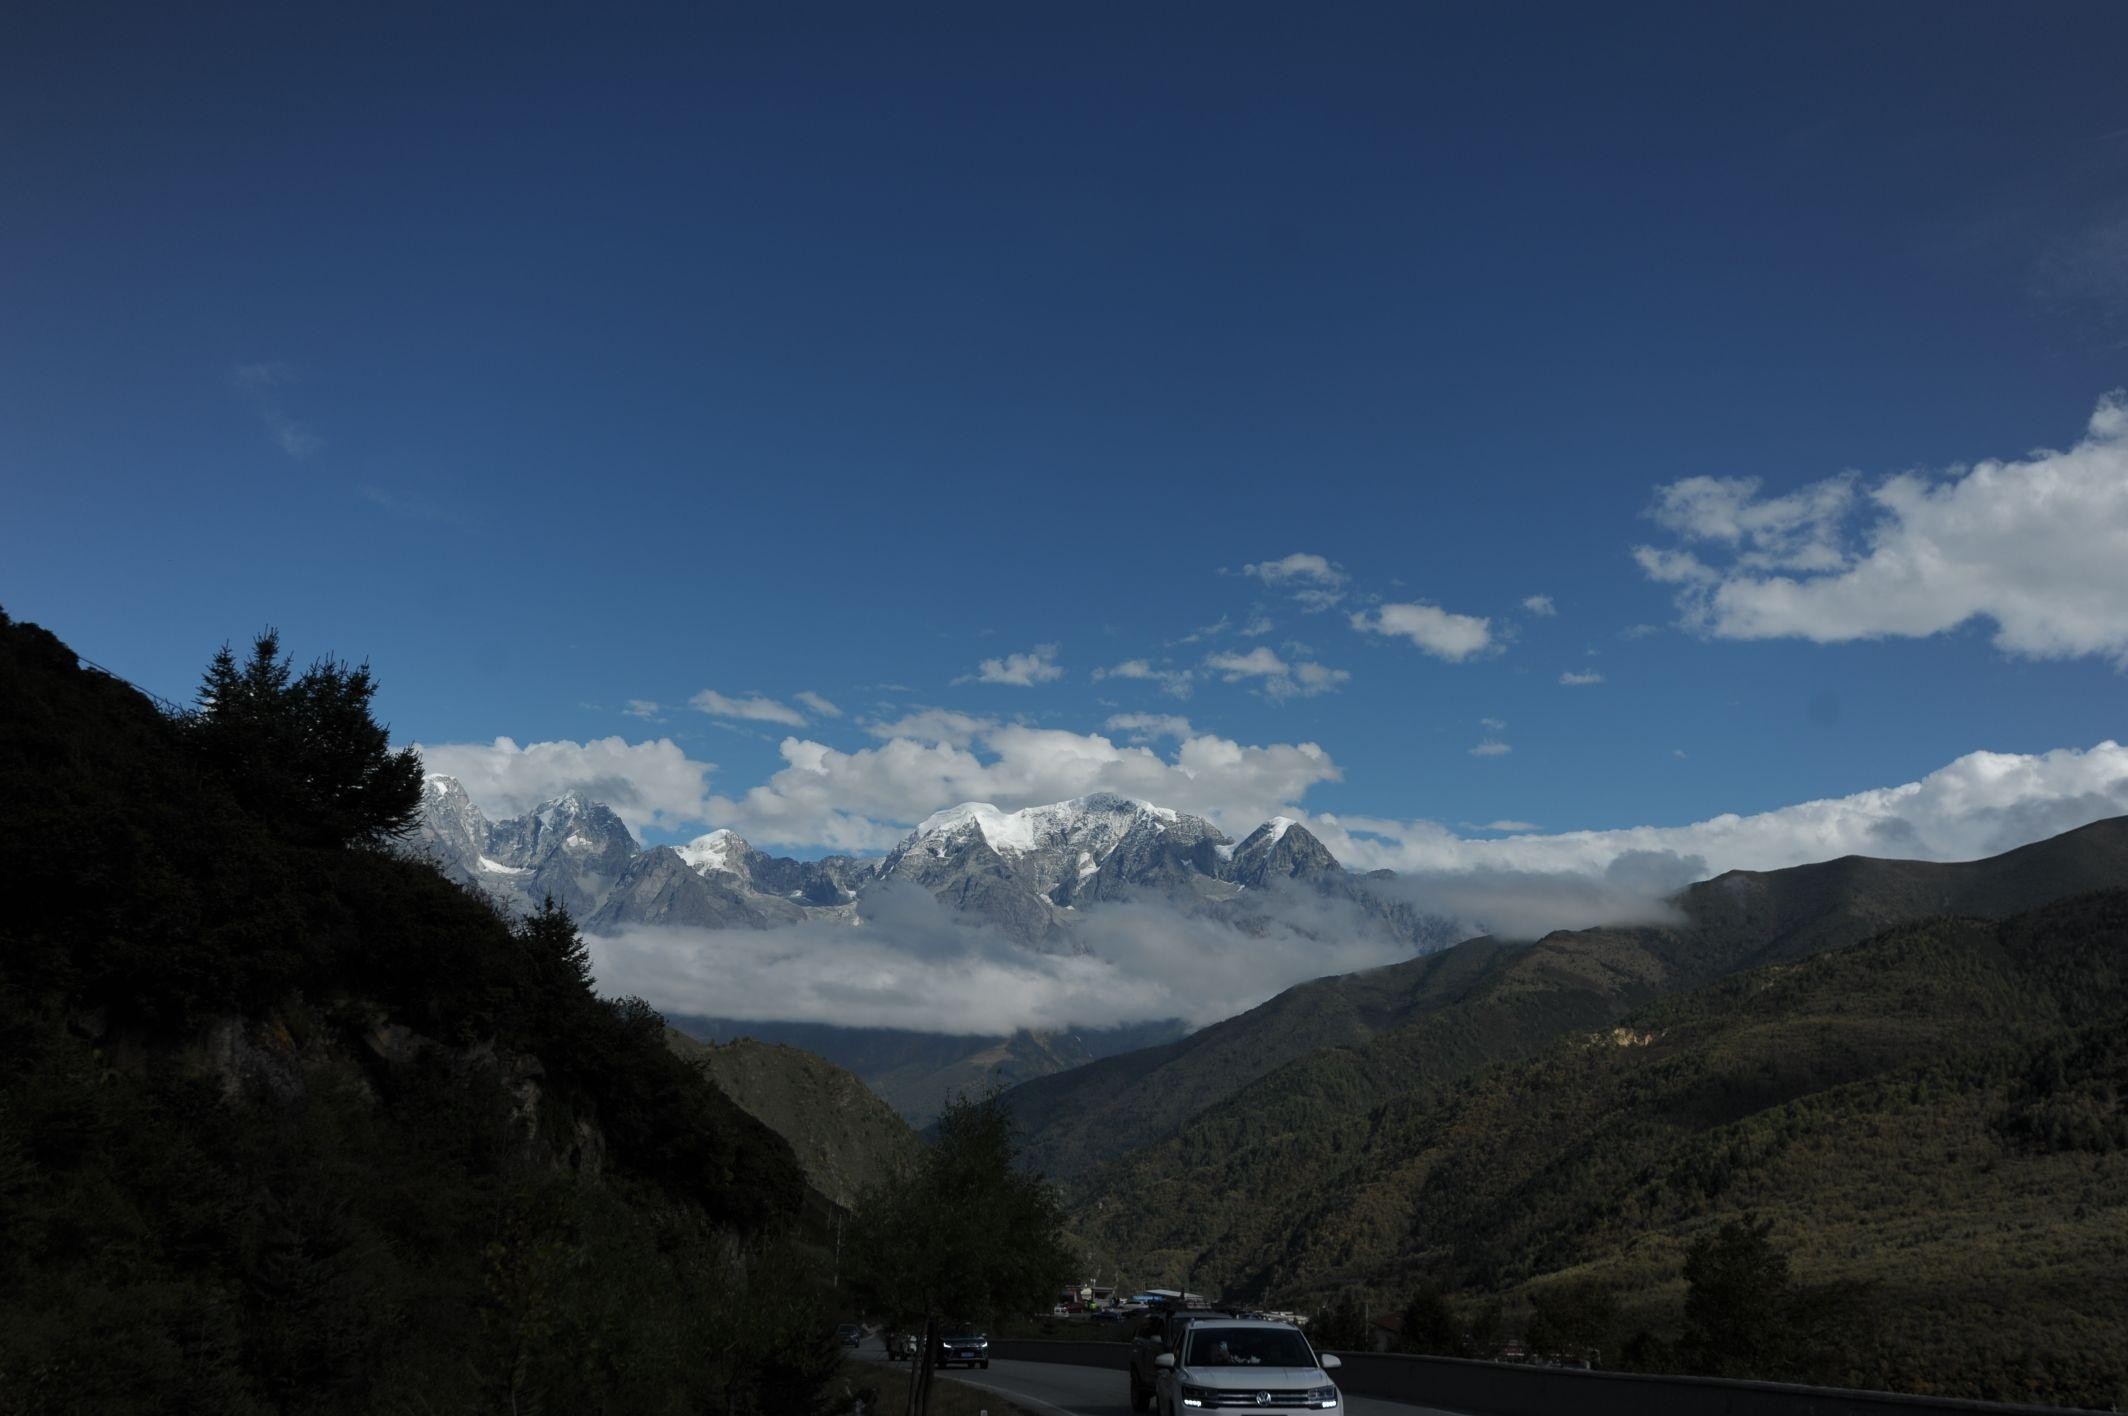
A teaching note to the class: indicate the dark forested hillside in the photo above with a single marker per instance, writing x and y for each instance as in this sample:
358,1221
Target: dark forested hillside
1933,1125
288,1123
1360,1039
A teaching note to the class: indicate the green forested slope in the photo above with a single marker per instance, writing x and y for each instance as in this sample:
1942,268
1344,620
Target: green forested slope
1935,1122
293,1125
1360,1039
846,1138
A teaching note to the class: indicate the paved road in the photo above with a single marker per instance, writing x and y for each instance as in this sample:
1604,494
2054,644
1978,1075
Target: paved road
1059,1389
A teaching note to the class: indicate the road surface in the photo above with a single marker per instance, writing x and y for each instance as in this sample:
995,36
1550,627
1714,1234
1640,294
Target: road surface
1060,1389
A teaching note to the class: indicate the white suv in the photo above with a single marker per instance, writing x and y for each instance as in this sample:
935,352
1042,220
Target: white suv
1229,1363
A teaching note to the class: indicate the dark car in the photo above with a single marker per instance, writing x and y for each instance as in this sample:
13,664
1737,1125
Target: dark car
964,1345
849,1334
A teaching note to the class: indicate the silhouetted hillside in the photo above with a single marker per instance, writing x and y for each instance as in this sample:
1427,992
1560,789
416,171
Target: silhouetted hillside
296,1126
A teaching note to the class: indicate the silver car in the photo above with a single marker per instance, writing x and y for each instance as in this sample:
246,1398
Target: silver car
1257,1366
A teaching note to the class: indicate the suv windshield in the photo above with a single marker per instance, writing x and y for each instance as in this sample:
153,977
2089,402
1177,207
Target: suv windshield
1211,1346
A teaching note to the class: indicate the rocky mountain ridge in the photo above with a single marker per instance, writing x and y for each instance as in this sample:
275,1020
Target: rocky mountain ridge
1025,873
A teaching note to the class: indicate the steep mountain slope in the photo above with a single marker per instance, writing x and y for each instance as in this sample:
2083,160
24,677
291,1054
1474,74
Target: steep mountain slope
1360,1039
1935,1121
916,1072
844,1136
288,1125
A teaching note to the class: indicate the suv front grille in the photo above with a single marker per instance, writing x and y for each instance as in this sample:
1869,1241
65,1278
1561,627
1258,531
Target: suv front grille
1245,1399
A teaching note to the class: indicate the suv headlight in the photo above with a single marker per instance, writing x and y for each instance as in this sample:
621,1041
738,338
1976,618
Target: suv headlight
1323,1396
1195,1395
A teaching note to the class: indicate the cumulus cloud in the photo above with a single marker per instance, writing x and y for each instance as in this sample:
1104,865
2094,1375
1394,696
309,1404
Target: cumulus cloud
1447,636
865,800
1039,665
1540,606
1175,683
648,784
1573,679
2035,545
1980,805
754,708
1313,582
1276,677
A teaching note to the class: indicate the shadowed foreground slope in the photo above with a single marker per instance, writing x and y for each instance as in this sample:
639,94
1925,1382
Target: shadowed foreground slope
291,1127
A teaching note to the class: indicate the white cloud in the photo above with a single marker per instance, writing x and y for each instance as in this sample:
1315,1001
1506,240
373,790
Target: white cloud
1234,666
1579,680
866,800
1448,636
1491,747
646,709
1496,724
934,725
648,784
1277,678
1175,683
1257,626
820,706
754,708
1019,670
2036,545
1980,805
1146,961
1150,726
1540,606
1516,826
1312,580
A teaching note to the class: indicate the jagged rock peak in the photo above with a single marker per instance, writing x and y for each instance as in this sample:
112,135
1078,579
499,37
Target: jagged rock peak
1036,827
721,850
1282,848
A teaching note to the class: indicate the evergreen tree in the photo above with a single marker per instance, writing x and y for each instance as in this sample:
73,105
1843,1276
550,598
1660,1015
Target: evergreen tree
304,751
1430,1328
1737,1307
1341,1326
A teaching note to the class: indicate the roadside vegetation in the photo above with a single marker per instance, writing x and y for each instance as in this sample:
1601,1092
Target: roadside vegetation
962,1236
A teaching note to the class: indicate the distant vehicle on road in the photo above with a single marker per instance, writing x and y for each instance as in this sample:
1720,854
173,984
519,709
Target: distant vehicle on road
901,1346
964,1345
849,1334
1232,1362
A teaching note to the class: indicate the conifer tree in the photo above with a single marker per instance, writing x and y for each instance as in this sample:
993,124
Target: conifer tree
304,752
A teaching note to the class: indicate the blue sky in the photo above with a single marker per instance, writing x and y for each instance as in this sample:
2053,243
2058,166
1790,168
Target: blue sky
565,362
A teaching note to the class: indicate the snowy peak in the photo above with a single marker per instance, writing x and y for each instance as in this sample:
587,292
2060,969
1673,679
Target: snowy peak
1282,849
719,852
1084,822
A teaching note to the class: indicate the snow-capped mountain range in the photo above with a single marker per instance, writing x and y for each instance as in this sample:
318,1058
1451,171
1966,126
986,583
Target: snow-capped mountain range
1028,874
